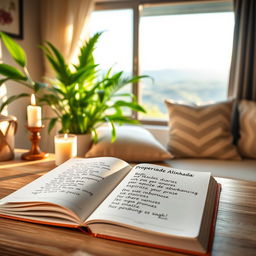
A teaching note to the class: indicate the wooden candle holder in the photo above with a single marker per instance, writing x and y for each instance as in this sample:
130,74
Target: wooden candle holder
35,152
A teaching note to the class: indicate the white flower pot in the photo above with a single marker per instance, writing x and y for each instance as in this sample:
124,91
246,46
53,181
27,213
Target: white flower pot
84,142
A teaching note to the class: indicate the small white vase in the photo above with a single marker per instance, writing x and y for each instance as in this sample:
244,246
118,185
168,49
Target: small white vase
84,142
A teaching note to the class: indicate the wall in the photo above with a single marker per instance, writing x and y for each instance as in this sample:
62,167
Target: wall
31,40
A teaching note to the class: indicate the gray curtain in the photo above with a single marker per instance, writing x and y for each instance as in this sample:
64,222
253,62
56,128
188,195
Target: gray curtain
242,82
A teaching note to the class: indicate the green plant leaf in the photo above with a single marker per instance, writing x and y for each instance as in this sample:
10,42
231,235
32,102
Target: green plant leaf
11,99
94,135
80,124
121,82
131,95
39,86
56,67
52,124
118,111
2,81
113,129
45,49
86,51
113,132
50,99
65,120
11,72
122,119
86,73
56,90
131,105
57,54
57,62
17,53
136,78
101,94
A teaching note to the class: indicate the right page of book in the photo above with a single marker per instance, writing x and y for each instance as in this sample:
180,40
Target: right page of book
158,199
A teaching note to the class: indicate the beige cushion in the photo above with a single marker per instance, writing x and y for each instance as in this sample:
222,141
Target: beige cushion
201,131
247,123
133,144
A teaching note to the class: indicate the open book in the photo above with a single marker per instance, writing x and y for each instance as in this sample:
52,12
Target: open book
148,204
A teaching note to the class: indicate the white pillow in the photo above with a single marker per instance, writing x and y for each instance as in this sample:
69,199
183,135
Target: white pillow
133,144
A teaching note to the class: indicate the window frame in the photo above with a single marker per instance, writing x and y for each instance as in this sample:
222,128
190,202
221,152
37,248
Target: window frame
136,7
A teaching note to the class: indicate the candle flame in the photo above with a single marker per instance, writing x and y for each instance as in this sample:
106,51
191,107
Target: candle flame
33,100
65,136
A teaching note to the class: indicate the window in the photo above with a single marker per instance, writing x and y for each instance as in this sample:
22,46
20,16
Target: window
185,47
114,48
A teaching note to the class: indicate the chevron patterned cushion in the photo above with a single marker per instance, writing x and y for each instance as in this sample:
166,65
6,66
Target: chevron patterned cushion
201,131
247,123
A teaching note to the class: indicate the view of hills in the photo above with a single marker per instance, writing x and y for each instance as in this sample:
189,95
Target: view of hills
188,86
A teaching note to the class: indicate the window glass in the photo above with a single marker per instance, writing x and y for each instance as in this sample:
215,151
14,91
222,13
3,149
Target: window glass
187,55
114,48
185,47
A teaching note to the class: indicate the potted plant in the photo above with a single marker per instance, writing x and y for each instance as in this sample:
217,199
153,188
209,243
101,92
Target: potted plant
21,75
82,99
8,124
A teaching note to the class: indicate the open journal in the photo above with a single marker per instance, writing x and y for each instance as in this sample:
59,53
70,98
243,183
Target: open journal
146,204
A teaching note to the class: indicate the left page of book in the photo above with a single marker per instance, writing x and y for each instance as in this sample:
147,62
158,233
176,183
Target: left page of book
78,185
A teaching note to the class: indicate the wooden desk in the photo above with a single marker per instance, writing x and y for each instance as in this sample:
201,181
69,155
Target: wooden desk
235,231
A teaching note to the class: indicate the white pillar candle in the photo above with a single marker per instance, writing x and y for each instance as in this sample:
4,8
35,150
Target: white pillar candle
34,113
65,147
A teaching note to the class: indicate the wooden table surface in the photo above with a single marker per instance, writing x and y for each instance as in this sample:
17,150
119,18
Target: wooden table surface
235,230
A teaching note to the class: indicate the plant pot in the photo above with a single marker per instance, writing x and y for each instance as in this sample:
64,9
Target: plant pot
8,128
84,143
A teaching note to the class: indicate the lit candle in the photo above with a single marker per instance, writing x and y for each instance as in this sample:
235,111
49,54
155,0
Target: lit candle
65,147
34,113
